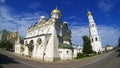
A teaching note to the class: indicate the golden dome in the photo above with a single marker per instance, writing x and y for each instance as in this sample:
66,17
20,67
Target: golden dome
89,13
56,10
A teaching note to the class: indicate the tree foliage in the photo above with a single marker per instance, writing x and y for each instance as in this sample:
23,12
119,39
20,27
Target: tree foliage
87,48
80,55
6,45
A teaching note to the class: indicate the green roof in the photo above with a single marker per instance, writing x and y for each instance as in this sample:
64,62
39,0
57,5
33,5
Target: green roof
65,46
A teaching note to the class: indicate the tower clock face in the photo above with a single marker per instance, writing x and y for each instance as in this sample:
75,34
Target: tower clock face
39,41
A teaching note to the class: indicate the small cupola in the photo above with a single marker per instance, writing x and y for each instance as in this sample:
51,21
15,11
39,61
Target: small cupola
89,13
56,13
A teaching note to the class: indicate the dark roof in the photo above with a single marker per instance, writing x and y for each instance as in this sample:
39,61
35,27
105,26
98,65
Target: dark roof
65,46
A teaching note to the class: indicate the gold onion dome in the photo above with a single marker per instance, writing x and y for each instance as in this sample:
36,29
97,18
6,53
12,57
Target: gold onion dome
56,10
89,13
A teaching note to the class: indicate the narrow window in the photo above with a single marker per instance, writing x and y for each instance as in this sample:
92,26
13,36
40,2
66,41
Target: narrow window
92,25
92,39
67,52
96,39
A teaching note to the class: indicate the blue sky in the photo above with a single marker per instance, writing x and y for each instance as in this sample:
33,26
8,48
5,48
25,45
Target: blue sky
21,14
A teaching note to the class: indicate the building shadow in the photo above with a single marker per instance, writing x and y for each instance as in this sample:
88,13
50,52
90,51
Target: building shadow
118,55
1,66
4,59
118,50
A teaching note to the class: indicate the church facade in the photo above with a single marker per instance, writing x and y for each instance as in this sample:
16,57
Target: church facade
49,40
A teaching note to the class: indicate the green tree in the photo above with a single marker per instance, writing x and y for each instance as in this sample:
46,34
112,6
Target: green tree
87,48
9,46
6,45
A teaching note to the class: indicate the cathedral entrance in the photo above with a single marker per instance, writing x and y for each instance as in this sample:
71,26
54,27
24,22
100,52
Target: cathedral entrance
30,48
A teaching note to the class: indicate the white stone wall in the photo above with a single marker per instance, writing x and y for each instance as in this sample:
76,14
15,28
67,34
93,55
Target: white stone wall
109,48
26,52
38,48
51,52
18,49
103,49
67,42
65,54
77,50
48,49
96,46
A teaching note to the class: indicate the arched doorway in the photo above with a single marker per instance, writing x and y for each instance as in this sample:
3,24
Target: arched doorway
31,47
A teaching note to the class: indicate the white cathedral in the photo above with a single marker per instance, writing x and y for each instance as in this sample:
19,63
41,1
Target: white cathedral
50,40
94,36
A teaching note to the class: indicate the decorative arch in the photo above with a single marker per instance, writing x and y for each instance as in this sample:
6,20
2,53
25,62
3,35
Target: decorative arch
39,41
31,46
31,42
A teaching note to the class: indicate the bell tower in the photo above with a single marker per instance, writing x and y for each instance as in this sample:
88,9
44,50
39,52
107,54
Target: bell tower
94,36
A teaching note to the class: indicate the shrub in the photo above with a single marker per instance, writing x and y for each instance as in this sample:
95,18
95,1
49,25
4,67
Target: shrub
80,55
94,52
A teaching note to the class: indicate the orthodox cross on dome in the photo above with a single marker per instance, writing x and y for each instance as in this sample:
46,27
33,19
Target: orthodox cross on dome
56,8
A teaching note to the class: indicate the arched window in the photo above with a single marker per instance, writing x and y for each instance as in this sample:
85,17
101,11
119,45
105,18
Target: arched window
39,41
96,39
93,25
67,52
31,42
31,46
92,40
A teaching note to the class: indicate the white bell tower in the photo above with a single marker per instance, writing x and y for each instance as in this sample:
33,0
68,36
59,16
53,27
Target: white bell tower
94,36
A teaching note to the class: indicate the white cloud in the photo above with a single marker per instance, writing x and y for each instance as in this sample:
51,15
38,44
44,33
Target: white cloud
107,5
11,21
77,33
2,1
108,34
